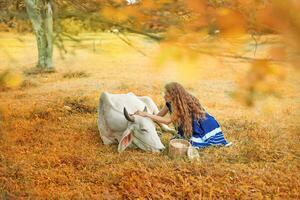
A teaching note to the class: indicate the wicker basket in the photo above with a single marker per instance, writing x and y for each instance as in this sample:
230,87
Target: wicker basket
178,148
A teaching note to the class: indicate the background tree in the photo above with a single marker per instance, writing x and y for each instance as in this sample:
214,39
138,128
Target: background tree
41,17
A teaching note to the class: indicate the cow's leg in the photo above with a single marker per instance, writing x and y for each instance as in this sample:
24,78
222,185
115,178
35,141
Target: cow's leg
106,140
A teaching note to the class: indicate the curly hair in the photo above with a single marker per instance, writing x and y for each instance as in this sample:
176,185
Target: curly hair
185,107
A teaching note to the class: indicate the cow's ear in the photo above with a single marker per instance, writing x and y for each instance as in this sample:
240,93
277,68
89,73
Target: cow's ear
126,140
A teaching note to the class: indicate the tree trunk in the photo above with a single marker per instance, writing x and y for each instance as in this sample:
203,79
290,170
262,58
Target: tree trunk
40,14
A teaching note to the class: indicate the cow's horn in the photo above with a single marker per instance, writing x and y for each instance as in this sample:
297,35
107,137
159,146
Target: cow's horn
127,116
145,109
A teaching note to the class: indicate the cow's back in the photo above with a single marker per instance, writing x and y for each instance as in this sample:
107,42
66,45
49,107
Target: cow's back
130,101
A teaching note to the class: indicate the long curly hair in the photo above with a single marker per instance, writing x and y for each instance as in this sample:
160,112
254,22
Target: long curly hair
185,107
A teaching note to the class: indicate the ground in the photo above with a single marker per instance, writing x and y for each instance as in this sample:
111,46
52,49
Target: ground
50,145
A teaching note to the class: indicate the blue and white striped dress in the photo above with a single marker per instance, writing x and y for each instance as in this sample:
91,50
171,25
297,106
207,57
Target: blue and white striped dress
206,132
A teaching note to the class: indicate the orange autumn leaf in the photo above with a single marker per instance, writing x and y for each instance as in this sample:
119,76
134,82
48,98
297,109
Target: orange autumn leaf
195,5
150,4
278,53
114,14
230,22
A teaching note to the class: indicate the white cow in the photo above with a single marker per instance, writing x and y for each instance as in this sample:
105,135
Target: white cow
117,126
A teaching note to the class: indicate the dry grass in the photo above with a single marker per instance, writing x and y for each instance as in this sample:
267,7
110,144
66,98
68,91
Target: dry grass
50,145
80,104
76,74
28,83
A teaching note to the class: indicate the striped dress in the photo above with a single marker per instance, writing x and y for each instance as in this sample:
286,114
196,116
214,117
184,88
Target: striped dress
206,132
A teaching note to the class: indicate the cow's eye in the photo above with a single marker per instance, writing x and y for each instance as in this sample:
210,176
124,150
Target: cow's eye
144,130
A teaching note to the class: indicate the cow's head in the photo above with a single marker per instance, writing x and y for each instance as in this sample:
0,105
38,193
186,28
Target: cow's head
141,131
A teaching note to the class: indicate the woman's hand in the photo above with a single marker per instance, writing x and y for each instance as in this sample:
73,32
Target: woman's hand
140,113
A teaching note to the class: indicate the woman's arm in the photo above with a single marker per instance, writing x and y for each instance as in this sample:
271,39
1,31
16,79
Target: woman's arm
163,111
155,118
159,119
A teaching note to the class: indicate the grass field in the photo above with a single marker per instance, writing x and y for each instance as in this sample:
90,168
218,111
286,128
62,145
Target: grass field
50,145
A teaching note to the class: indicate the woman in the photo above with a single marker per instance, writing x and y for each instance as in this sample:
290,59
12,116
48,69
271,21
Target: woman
190,119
